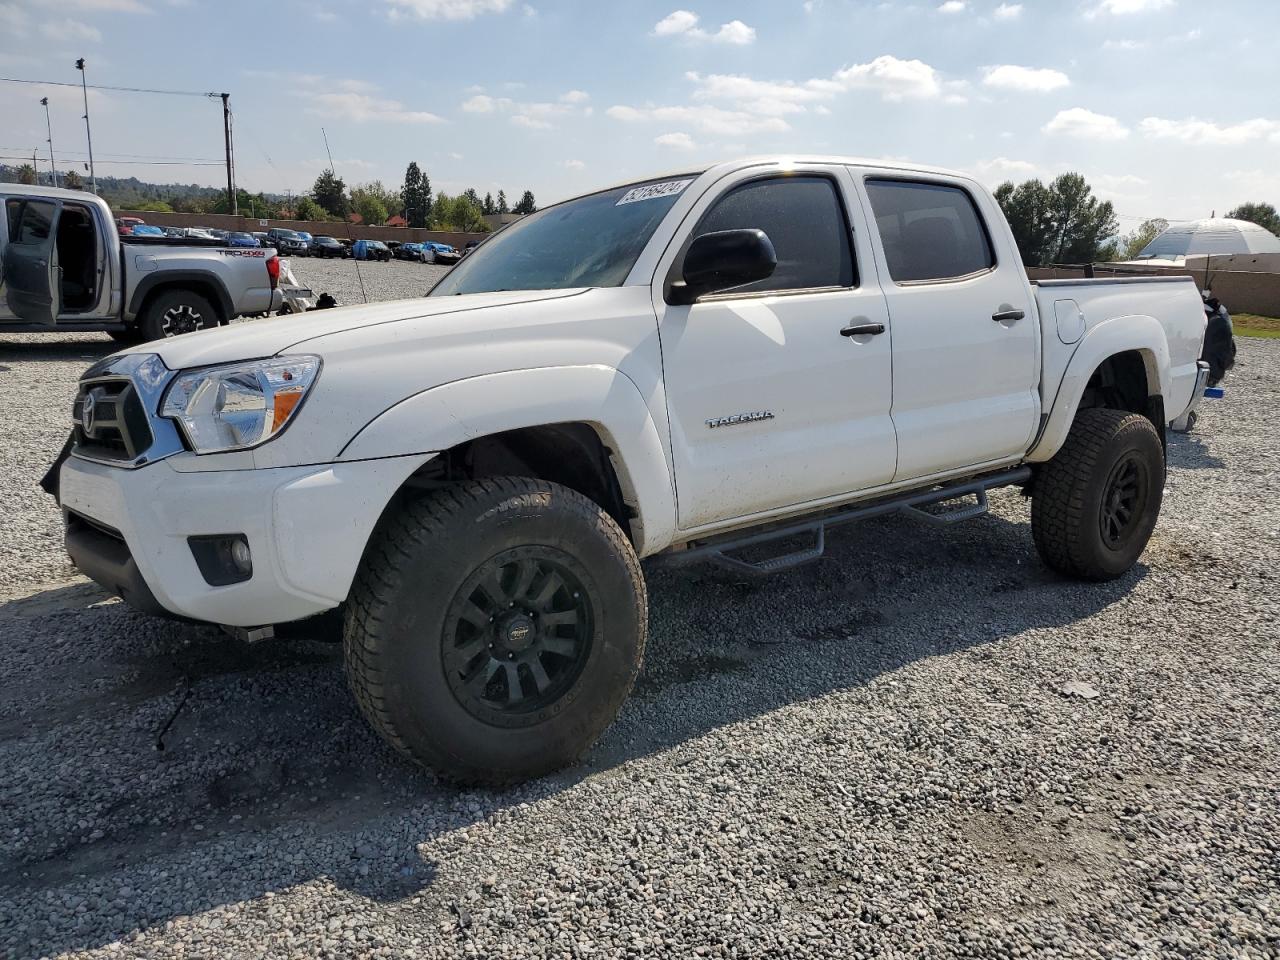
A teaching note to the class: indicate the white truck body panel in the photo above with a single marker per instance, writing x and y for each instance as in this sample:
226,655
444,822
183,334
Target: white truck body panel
677,394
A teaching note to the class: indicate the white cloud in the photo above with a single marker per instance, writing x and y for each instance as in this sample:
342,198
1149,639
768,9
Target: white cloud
363,108
1029,79
326,16
676,141
1121,8
1082,124
1008,11
1003,168
107,6
762,96
71,30
574,164
709,119
575,96
447,9
953,6
482,103
684,23
675,23
892,78
1206,133
1128,45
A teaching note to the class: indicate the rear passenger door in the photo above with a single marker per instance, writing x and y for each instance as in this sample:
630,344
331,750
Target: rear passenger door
772,402
965,340
32,279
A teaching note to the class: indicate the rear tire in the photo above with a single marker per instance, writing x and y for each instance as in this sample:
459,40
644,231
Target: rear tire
1097,501
495,629
175,312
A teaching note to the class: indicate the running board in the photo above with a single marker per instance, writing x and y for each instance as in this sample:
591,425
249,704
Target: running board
720,551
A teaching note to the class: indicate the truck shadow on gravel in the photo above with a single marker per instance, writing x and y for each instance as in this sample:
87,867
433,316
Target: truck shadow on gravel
39,348
268,777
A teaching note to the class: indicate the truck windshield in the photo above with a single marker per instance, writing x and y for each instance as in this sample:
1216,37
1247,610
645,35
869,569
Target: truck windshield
592,241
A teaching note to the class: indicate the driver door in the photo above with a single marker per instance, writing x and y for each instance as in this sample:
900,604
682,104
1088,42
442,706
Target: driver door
32,277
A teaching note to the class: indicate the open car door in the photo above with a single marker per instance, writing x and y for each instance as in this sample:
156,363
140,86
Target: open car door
32,277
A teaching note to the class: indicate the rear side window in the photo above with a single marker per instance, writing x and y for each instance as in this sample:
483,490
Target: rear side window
30,221
806,222
929,231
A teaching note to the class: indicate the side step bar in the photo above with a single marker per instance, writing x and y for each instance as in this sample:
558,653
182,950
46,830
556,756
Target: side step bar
719,550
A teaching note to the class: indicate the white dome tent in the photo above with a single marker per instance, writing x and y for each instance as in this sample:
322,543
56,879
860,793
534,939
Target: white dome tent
1213,237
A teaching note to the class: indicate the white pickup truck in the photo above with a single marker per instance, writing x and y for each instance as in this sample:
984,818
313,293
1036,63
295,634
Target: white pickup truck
67,269
675,368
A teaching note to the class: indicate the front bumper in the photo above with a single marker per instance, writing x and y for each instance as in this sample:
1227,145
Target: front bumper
306,526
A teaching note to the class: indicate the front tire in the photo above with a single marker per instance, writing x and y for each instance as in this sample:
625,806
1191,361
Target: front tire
175,312
1097,501
495,629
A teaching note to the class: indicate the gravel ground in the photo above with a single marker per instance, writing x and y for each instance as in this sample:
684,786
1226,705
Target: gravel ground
870,756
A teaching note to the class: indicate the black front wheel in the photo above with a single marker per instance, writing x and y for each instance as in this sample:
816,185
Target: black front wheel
495,628
175,312
1096,502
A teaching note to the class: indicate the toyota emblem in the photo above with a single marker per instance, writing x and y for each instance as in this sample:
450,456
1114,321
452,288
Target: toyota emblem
87,412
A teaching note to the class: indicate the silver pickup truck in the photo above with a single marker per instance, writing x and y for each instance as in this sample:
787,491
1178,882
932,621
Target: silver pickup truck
66,268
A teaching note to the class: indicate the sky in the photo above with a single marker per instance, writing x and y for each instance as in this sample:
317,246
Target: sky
1168,107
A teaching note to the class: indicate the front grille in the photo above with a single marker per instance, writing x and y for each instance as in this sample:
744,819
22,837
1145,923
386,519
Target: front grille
110,421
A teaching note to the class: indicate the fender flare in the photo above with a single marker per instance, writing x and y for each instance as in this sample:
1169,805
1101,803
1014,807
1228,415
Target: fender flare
1116,335
195,280
599,395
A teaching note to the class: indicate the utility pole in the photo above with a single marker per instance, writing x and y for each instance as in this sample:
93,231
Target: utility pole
84,88
226,133
44,101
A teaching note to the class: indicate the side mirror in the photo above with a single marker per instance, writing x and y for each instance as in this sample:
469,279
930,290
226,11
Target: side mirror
723,260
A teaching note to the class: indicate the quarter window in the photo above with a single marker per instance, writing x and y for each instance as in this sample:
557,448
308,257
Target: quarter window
804,219
34,223
929,231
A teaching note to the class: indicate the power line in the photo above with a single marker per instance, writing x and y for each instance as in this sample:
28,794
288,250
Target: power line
140,163
93,86
127,156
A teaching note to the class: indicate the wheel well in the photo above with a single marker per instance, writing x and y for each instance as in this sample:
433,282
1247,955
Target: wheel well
570,454
1127,381
209,291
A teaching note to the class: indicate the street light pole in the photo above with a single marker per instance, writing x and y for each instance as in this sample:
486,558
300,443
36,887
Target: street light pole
84,88
48,125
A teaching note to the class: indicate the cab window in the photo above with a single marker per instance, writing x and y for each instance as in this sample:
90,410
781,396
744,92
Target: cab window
930,231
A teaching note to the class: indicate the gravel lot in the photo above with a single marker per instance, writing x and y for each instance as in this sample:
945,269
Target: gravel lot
870,756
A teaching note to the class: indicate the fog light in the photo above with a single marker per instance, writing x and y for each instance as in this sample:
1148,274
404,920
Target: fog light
223,558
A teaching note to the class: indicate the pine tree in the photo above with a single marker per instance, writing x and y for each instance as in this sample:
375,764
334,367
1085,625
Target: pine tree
502,202
488,207
416,196
526,204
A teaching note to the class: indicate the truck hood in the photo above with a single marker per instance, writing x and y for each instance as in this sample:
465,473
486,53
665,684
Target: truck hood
251,339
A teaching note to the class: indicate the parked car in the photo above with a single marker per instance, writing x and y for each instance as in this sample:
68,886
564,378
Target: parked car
216,233
67,268
470,245
326,247
262,238
370,250
305,238
789,344
240,239
287,242
408,251
439,253
125,225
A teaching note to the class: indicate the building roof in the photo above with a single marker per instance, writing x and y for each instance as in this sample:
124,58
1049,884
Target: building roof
1217,235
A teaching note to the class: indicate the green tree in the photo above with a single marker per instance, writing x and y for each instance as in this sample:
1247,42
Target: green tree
1263,214
371,209
416,196
27,174
487,206
331,193
1061,223
308,209
153,206
1129,246
457,213
502,202
71,180
526,204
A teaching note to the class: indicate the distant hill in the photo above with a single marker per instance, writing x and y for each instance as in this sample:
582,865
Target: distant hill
128,192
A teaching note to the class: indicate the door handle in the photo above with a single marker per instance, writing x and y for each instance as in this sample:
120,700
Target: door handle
1004,315
863,330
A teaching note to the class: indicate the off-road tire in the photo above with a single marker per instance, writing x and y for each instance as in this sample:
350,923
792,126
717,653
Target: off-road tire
188,303
401,617
1071,493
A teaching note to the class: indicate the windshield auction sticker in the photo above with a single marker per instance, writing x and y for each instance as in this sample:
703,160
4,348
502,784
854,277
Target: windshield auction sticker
652,191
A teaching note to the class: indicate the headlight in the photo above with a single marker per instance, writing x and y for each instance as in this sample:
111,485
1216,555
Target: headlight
241,405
